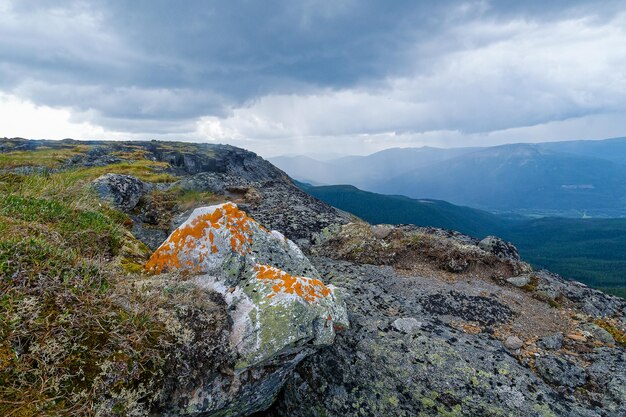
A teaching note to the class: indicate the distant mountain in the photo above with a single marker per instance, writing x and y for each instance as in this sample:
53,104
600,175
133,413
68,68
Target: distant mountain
306,169
564,178
362,171
520,176
610,149
396,209
590,250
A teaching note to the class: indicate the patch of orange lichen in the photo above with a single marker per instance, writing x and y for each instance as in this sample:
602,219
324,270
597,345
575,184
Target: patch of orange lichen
310,289
184,240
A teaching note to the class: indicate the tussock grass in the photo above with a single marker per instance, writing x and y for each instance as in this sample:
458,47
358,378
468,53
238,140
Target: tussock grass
82,330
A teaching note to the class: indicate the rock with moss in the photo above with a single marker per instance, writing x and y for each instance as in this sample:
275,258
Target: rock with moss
279,307
121,191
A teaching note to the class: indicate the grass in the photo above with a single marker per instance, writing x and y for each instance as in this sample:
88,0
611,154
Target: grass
192,198
78,336
143,169
61,324
48,158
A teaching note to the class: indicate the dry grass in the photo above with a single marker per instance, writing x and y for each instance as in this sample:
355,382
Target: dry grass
77,336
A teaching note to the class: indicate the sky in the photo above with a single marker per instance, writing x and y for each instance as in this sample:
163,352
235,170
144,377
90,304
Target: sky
314,77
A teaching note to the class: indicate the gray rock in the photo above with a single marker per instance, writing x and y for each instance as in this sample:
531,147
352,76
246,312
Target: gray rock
374,370
500,248
381,231
598,333
608,372
593,302
278,307
552,342
513,343
407,325
122,191
561,372
519,281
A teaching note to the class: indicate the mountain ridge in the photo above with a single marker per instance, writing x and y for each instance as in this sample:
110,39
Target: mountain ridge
567,178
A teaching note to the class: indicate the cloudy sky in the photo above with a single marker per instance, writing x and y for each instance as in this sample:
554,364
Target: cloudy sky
314,76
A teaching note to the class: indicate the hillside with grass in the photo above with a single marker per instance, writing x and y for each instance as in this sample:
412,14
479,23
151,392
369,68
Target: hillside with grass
592,251
64,260
84,330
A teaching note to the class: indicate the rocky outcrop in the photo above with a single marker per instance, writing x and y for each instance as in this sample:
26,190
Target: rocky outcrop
499,247
436,329
278,306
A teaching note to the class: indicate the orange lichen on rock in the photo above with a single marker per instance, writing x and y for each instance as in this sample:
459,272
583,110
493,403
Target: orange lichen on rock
310,289
184,240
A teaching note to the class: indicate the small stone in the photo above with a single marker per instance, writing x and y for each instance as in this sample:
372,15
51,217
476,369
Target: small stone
407,325
513,343
519,281
577,337
552,342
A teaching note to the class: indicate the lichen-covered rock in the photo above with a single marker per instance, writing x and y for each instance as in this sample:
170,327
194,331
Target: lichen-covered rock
278,305
455,362
552,342
122,191
560,372
499,247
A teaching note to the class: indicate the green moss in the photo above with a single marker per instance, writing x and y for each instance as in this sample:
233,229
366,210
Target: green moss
88,232
427,402
393,400
532,285
544,410
453,412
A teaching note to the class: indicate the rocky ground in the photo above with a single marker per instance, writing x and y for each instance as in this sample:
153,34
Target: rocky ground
440,323
444,330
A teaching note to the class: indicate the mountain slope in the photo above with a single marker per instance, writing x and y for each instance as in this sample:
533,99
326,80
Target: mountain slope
377,208
557,178
519,176
592,251
94,321
610,149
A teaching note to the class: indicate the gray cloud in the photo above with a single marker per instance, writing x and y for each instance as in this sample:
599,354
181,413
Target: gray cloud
251,71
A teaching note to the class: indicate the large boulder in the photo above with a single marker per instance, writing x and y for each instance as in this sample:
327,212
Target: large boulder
278,305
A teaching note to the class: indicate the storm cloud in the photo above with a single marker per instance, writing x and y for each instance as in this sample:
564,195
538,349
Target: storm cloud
343,75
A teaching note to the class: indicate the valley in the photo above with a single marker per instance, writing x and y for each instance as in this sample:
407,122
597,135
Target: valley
592,251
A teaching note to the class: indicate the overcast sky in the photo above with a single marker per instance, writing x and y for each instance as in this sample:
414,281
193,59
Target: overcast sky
285,77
